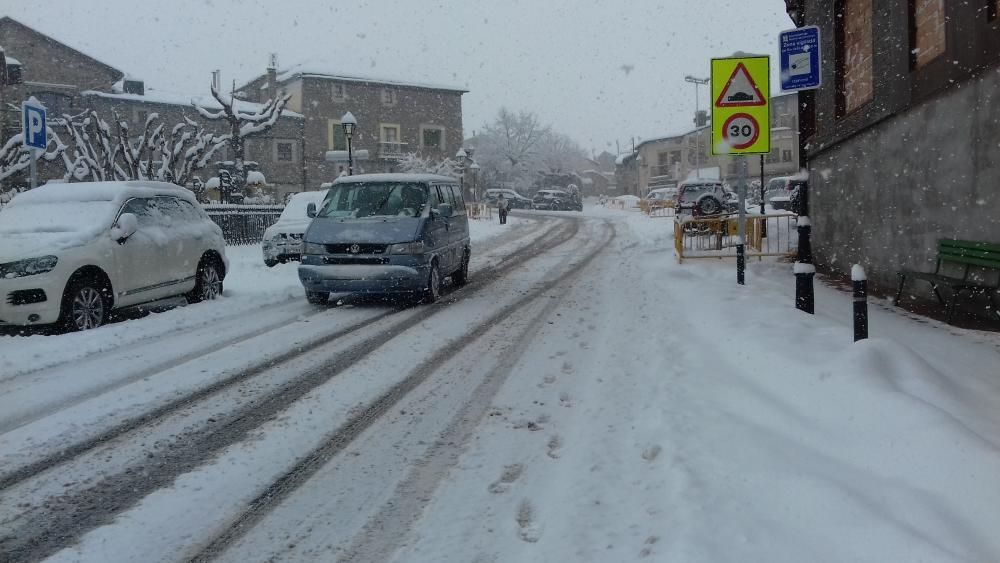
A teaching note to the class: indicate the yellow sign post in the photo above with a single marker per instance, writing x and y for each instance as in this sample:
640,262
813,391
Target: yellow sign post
741,107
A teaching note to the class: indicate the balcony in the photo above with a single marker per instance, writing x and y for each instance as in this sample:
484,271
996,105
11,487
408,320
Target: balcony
392,150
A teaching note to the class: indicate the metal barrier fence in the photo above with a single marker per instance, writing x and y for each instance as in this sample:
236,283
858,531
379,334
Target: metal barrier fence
481,211
715,236
661,211
243,224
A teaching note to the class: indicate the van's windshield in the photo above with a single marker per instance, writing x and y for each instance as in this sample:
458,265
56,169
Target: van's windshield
374,200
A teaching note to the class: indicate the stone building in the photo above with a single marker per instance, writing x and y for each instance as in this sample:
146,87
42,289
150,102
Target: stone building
903,134
68,81
394,118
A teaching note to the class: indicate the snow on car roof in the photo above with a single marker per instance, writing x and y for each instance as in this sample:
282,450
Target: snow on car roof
61,192
416,178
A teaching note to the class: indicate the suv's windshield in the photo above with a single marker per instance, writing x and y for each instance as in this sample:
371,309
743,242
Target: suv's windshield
358,200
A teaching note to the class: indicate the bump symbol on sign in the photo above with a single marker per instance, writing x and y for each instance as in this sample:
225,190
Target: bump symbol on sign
741,131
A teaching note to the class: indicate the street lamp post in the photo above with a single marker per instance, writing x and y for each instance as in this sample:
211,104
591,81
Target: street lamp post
349,123
461,157
697,112
475,179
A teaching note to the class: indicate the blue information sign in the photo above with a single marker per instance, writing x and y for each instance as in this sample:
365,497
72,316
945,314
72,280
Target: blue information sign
33,119
800,59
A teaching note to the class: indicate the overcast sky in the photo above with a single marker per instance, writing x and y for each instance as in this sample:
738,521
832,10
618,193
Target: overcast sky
599,71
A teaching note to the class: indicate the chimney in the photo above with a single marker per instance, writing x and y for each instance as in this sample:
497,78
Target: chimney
272,77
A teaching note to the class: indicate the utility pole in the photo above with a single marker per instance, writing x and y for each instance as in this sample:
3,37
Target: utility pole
697,115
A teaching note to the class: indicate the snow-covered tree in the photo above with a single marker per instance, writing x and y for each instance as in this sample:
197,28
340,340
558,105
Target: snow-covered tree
412,163
15,158
241,126
557,153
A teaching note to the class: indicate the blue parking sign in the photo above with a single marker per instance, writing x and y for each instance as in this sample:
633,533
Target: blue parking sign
33,118
799,58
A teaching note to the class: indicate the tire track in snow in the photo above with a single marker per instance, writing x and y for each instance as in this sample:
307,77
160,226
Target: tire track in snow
49,528
396,516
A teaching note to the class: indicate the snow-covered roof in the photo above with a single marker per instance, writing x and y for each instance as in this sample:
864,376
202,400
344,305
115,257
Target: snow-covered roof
11,60
318,70
623,157
359,178
173,99
97,191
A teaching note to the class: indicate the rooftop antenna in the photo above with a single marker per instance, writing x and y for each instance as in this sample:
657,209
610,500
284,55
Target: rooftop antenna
273,61
216,79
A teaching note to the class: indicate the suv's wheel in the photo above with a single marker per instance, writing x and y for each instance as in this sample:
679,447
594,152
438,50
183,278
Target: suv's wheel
208,281
709,206
433,290
461,277
270,262
86,304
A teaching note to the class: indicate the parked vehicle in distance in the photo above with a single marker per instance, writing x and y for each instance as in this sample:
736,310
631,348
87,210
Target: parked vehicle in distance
283,240
661,197
387,234
703,197
514,199
557,200
71,253
784,193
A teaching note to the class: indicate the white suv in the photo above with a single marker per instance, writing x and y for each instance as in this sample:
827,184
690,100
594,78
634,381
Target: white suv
283,240
70,253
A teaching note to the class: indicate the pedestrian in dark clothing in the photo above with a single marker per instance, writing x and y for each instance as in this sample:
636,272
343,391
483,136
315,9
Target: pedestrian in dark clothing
503,206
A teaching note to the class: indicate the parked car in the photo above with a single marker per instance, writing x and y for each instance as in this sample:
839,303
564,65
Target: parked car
514,199
703,197
784,193
386,234
283,240
557,200
71,253
661,197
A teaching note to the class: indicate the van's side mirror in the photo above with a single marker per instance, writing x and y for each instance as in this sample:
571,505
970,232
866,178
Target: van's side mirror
125,227
311,210
444,209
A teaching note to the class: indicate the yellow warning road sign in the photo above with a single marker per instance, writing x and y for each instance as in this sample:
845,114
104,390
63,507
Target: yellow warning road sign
741,108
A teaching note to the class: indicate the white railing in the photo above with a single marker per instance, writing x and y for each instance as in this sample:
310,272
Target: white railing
391,150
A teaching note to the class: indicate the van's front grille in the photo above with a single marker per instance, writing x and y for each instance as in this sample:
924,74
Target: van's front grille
356,248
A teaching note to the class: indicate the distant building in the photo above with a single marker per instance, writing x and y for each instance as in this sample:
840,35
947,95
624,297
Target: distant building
666,161
394,118
903,134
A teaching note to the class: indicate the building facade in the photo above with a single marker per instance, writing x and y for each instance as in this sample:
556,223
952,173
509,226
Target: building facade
394,118
667,161
902,137
69,82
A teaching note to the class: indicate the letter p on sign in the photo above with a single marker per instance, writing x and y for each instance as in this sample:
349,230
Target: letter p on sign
35,134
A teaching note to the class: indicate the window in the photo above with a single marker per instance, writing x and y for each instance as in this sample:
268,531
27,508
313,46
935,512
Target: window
459,198
855,86
284,151
140,117
389,133
772,157
388,97
432,138
927,31
786,155
338,92
336,139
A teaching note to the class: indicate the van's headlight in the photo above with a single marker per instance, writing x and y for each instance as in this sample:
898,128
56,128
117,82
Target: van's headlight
407,248
313,248
29,267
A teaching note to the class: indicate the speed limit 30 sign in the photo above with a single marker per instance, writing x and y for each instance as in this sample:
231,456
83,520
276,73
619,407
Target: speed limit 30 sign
741,108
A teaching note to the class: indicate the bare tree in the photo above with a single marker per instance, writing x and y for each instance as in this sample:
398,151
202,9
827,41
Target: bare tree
413,163
557,154
242,125
15,158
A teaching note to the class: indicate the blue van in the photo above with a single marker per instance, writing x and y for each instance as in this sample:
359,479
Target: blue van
386,234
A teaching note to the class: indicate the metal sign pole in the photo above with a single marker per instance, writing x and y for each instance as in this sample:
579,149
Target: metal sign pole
34,167
742,223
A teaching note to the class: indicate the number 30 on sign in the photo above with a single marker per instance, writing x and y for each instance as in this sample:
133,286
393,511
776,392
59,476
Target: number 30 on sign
741,131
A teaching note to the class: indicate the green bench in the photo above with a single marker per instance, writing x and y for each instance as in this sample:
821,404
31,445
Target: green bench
971,254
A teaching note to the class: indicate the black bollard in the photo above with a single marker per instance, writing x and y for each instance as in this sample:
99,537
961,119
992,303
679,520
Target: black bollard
860,282
741,263
805,271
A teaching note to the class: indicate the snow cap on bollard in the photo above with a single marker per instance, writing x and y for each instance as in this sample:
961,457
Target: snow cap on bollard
858,273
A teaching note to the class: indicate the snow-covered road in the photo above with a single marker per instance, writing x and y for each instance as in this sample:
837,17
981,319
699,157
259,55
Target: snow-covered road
586,398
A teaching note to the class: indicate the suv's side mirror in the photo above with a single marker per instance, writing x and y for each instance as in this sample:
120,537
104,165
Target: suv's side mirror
444,209
311,210
125,227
